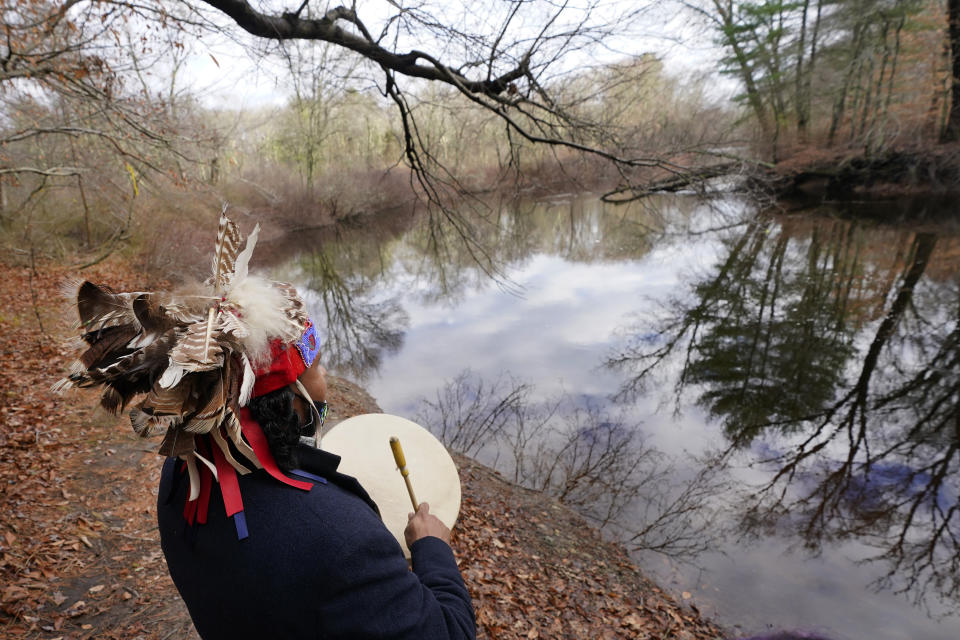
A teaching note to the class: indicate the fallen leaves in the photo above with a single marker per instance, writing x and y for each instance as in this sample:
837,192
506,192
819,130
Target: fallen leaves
61,516
535,569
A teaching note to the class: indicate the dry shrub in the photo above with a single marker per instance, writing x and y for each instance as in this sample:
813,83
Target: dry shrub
335,196
174,232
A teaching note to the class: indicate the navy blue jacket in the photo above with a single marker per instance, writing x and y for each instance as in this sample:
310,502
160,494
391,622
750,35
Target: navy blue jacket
317,564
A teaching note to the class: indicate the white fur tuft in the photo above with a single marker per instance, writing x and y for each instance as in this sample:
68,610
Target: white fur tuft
263,307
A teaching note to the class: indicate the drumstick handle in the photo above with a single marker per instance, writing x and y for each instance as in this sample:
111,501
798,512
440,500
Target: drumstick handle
401,461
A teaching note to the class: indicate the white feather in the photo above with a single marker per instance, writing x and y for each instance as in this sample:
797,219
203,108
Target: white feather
225,449
242,265
60,386
246,387
171,376
208,464
143,339
194,476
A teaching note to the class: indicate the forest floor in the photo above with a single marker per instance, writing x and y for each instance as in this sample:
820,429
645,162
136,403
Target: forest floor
79,548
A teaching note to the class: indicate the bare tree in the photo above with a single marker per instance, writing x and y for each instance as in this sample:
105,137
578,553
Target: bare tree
357,331
72,115
469,413
510,63
585,456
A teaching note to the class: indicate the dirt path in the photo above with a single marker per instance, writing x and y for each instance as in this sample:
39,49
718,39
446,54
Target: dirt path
79,549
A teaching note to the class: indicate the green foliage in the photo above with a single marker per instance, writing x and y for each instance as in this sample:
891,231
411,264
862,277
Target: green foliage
829,66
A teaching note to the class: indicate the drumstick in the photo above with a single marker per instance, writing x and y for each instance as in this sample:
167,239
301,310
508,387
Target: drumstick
402,465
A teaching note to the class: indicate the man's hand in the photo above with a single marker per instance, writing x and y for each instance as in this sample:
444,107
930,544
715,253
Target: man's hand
422,524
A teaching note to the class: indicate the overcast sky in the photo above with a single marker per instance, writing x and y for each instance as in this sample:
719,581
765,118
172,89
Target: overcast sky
227,73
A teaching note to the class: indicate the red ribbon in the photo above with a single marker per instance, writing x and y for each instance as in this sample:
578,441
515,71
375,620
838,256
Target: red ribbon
206,483
254,434
229,486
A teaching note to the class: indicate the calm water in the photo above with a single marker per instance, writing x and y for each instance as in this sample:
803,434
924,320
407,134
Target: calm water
789,387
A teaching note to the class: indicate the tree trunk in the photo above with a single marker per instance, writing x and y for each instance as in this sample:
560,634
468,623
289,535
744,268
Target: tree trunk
952,130
800,99
839,104
812,62
754,97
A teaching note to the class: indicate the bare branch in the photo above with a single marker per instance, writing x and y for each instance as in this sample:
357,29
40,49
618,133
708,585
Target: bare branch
289,26
53,172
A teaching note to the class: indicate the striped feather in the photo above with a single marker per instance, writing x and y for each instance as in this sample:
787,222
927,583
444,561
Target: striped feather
99,307
193,354
227,454
231,325
169,402
146,425
211,415
109,345
153,319
225,252
176,443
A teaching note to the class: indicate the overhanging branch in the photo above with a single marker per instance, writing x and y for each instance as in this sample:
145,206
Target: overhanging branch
290,26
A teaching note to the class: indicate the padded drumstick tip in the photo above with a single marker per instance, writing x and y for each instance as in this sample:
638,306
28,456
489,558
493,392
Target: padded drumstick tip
401,461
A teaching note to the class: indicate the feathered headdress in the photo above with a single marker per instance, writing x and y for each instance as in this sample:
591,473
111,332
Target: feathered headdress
187,362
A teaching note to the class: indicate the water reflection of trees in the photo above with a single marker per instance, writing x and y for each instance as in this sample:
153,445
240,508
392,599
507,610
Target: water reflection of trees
348,267
580,229
357,328
831,344
584,454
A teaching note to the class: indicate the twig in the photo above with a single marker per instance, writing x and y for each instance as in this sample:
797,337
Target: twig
33,294
113,242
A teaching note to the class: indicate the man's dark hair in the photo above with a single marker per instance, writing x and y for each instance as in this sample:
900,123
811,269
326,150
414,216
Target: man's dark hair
280,423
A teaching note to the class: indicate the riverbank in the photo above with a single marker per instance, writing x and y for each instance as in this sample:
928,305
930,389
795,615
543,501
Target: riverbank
80,555
851,174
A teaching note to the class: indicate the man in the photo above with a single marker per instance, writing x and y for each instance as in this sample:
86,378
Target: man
287,547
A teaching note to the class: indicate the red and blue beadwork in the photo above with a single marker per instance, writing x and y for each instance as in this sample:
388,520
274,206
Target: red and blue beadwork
308,345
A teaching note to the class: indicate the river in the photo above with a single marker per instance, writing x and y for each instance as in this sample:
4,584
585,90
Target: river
769,404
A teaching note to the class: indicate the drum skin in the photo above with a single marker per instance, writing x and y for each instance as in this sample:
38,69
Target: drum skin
363,444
